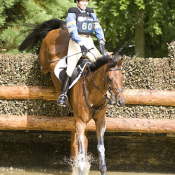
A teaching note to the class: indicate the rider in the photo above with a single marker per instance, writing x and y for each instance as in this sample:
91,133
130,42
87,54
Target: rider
81,22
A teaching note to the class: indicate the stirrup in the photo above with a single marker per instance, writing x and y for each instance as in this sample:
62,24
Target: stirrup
62,100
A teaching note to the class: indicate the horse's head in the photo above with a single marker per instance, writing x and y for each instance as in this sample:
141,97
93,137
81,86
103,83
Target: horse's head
115,79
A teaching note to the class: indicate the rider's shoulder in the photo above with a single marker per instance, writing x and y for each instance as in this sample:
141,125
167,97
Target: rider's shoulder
73,10
90,10
76,10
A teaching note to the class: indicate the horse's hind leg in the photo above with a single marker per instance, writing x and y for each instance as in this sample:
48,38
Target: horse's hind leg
100,129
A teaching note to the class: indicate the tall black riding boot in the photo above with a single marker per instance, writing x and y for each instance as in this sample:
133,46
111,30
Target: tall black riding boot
63,99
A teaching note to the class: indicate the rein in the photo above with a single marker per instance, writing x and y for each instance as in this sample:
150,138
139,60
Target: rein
69,56
90,106
105,95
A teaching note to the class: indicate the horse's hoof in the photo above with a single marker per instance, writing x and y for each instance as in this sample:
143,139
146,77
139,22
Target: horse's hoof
103,174
103,170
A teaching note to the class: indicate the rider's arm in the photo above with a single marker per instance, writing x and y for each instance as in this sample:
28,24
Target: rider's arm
72,28
97,28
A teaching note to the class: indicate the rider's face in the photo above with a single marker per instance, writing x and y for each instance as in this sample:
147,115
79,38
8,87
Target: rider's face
82,4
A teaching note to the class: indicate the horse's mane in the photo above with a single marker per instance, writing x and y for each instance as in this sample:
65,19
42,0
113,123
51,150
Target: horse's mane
102,61
38,32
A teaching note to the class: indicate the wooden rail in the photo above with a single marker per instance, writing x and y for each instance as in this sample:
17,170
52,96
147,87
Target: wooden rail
133,96
43,123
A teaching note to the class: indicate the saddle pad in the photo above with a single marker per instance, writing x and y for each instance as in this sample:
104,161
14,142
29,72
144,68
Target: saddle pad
60,71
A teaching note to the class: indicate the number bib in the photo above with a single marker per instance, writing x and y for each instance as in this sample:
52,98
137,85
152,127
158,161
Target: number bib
85,25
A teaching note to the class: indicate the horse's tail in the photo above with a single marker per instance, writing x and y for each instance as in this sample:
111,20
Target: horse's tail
33,41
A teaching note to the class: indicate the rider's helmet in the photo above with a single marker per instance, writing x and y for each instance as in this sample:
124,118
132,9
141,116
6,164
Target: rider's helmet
77,0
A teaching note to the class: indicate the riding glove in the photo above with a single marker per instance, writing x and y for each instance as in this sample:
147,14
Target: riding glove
102,47
84,50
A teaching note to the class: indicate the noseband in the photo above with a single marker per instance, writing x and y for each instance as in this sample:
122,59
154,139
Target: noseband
109,87
105,95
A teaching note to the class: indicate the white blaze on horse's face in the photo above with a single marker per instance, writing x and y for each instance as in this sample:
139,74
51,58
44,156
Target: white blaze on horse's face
82,4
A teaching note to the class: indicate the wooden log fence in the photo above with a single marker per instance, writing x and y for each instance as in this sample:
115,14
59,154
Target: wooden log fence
43,123
133,96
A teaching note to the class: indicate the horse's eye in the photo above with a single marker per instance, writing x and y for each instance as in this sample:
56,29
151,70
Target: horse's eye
110,79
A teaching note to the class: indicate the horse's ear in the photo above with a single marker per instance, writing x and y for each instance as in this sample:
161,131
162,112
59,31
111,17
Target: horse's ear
120,62
110,53
115,59
113,62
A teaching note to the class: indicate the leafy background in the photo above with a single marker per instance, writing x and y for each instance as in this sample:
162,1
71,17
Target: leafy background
146,25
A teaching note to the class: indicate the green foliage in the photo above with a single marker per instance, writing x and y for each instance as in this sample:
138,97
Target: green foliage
14,14
118,18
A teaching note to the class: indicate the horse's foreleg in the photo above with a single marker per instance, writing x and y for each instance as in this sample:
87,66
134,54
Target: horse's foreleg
74,144
80,141
101,127
79,149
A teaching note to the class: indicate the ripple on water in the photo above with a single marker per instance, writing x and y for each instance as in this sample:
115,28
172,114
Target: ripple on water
18,171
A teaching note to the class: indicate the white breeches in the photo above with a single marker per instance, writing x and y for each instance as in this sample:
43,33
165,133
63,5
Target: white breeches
74,48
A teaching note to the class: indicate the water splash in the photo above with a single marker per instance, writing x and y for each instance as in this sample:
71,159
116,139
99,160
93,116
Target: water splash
81,166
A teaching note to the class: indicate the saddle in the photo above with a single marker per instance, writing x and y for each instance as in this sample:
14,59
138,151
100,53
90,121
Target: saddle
60,70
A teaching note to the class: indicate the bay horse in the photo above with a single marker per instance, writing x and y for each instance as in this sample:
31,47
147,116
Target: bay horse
88,96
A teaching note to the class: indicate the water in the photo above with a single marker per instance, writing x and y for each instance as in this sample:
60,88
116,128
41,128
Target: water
16,171
43,153
81,167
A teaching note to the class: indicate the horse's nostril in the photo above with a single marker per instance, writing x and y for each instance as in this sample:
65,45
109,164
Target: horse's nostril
120,103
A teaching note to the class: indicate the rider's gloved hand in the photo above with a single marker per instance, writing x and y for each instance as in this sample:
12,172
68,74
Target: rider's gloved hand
84,50
102,47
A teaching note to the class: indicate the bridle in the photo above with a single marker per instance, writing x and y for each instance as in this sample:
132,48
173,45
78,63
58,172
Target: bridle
105,95
110,87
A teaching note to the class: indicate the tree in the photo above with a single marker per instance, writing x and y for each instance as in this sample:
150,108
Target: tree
14,14
148,24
